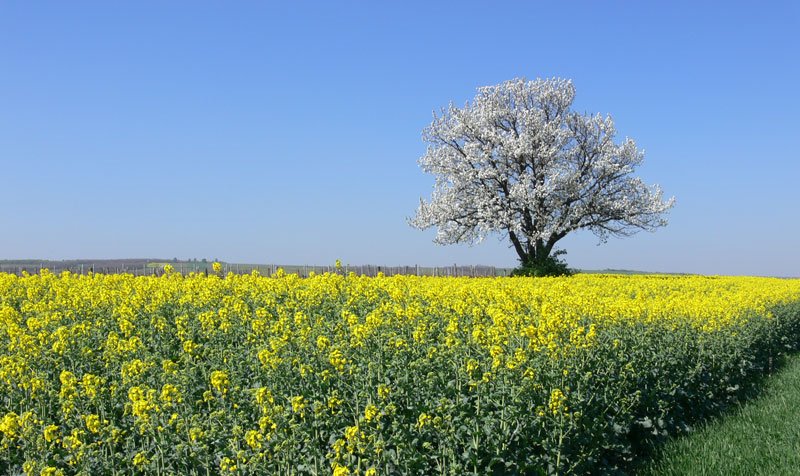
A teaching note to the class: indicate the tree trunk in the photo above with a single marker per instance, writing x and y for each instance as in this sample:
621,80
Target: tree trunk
523,255
531,252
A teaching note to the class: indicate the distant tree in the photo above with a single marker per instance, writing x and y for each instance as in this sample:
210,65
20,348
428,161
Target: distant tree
518,161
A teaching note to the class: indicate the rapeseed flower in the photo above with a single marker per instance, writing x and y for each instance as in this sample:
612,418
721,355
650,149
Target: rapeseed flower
220,381
50,433
249,368
140,459
93,423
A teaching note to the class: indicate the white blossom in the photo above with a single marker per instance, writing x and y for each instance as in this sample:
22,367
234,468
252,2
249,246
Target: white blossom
518,161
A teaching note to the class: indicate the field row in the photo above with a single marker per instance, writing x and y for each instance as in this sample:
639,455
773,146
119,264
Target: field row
244,374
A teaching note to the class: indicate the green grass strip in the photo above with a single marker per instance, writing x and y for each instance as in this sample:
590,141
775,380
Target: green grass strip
762,437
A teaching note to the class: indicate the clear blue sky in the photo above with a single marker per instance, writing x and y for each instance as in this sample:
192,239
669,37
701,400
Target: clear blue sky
289,132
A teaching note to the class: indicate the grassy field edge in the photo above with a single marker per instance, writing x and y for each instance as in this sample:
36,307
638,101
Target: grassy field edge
760,437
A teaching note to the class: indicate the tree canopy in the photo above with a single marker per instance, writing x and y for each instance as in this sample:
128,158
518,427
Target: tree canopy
520,162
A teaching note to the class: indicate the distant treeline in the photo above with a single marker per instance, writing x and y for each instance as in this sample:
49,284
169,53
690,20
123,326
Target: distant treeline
141,267
147,267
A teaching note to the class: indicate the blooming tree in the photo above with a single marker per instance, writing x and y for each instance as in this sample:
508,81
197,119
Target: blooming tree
518,161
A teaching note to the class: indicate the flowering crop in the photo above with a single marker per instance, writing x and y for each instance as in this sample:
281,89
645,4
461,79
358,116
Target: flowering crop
354,375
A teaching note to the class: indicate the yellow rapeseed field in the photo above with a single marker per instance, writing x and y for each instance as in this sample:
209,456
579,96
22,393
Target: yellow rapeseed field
335,374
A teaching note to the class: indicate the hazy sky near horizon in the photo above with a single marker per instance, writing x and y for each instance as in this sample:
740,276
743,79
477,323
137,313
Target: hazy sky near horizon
289,132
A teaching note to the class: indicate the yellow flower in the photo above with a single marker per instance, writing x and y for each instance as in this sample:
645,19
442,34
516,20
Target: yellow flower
170,394
220,381
558,402
337,359
424,419
91,385
227,464
51,433
73,441
472,365
92,423
334,402
266,424
134,368
253,439
190,347
384,391
133,340
10,425
217,267
140,459
298,404
195,434
143,404
323,343
67,379
340,470
169,366
351,433
371,412
264,396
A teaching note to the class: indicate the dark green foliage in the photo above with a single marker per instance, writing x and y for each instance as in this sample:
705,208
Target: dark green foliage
759,438
550,265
